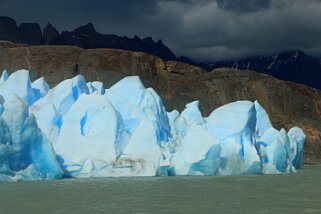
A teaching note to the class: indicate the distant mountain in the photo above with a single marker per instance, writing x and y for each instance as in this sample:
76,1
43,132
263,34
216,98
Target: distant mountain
85,37
293,66
28,33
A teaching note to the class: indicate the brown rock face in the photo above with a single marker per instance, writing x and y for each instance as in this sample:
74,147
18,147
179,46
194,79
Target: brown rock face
57,63
7,44
288,104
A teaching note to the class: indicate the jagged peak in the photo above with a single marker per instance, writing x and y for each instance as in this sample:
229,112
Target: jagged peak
48,25
7,21
293,53
148,39
33,26
87,28
136,37
28,23
7,18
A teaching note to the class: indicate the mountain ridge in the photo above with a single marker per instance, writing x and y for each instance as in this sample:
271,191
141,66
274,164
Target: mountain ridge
293,66
84,36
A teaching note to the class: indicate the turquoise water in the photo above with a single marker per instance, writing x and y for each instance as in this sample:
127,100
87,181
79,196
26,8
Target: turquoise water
286,193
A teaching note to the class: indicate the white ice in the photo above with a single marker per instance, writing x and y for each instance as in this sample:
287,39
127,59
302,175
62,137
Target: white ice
79,129
25,153
198,153
19,84
234,124
40,87
89,137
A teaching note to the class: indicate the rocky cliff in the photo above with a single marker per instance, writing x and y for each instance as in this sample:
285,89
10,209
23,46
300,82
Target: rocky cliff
287,103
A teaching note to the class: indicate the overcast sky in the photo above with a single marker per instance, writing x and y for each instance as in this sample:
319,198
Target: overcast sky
205,30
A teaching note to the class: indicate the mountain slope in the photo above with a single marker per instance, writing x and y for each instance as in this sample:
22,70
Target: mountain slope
293,66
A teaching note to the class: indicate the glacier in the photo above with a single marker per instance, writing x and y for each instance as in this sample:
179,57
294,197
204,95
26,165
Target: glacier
82,129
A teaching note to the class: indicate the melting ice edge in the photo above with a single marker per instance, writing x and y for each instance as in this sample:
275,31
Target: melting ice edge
79,129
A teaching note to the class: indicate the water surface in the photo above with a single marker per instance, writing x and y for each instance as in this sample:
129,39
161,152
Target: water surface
286,193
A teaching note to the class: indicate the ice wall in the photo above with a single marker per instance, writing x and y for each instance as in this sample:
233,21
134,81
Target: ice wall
79,129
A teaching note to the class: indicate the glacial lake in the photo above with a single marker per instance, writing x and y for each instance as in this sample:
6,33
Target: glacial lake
284,193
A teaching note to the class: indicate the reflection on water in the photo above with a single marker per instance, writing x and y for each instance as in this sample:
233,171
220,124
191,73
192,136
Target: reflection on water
286,193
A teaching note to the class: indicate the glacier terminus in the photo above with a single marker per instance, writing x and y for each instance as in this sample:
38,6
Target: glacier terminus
80,129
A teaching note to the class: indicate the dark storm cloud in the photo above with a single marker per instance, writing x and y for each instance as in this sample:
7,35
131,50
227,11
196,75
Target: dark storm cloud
202,29
67,13
244,6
